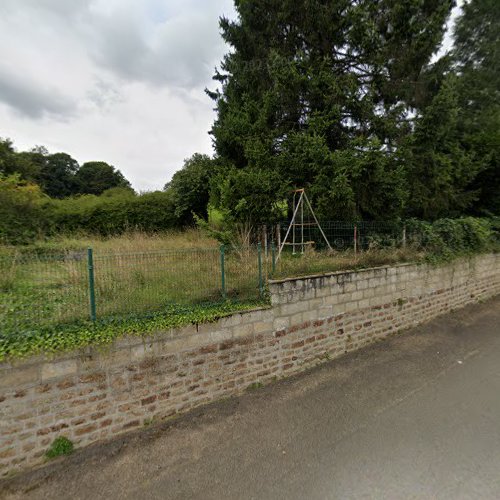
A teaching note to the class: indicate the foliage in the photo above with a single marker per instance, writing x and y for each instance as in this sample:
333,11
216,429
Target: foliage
440,171
12,162
190,188
52,288
445,238
85,333
476,61
222,231
362,181
22,218
129,242
316,95
114,212
60,446
337,97
48,285
249,195
95,177
59,175
313,262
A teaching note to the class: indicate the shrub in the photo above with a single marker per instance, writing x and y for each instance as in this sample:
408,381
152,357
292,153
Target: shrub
114,212
448,237
22,218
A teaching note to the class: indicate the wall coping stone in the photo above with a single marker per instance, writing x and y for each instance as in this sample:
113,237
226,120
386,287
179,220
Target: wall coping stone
341,273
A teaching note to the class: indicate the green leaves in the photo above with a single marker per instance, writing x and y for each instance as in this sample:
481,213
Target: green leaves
318,93
60,446
477,63
252,195
447,238
21,214
95,177
190,187
440,170
17,343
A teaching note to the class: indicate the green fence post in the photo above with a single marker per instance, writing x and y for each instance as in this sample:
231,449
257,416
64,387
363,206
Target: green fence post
273,258
223,270
90,262
261,281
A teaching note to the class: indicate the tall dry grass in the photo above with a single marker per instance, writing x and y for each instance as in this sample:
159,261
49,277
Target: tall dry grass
312,262
137,273
132,241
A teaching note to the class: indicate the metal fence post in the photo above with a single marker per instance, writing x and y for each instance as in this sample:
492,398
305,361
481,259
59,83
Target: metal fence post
90,263
355,239
261,281
273,258
404,236
223,270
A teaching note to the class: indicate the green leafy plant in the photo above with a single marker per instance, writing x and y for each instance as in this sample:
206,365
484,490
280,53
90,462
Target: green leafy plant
255,385
445,239
60,446
56,338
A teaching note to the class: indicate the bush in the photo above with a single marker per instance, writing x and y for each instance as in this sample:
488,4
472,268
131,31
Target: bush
448,237
114,212
22,218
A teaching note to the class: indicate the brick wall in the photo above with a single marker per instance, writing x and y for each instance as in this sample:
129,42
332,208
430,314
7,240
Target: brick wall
95,394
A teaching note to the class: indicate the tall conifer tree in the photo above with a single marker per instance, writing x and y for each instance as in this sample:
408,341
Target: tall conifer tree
315,94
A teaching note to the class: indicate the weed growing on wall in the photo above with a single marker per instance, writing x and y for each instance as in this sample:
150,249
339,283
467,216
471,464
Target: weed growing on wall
60,446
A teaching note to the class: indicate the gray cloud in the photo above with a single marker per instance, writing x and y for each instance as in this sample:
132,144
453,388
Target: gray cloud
64,8
178,51
116,80
168,43
105,95
29,99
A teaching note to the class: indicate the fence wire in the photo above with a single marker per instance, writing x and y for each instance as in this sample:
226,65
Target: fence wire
54,289
50,290
341,235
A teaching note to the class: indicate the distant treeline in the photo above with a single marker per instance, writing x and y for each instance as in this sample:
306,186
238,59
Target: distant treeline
43,194
59,175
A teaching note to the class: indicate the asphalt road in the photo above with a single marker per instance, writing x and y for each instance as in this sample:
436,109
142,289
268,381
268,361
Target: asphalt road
416,416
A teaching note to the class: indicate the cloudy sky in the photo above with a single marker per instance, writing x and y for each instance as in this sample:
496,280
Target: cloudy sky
115,80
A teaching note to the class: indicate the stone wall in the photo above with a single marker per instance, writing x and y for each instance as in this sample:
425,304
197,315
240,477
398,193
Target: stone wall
95,394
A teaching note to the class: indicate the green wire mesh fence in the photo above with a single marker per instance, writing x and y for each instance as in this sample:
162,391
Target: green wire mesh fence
341,235
53,289
50,290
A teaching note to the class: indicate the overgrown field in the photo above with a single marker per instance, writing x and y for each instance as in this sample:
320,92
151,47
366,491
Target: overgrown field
48,284
144,282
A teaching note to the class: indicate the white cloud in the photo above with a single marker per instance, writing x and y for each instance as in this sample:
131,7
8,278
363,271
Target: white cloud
115,80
